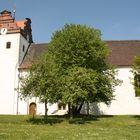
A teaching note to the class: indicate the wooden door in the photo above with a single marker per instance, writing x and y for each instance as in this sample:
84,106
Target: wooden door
32,109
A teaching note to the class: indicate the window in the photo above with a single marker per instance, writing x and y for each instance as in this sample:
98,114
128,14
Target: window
61,106
23,48
8,45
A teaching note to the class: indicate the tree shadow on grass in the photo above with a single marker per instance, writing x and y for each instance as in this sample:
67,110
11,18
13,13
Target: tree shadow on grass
105,116
137,117
82,118
42,120
78,119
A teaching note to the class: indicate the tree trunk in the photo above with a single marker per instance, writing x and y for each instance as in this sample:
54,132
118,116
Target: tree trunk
46,109
87,108
70,110
74,110
79,109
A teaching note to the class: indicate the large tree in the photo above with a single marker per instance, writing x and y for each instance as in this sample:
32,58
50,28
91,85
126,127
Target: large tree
76,71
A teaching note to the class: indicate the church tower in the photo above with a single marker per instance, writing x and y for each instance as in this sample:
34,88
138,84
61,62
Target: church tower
15,39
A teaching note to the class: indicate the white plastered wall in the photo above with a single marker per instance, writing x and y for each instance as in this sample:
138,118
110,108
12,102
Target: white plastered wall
125,102
9,62
8,72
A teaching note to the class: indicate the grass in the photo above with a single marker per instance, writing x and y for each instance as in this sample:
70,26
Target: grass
61,128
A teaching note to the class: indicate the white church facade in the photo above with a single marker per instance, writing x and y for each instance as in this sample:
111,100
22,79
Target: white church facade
17,47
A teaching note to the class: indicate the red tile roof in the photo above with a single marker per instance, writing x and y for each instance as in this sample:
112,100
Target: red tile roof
21,24
122,52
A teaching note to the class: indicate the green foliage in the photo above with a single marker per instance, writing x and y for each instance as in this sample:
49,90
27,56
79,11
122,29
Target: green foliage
79,45
74,70
41,81
136,64
84,72
136,73
81,85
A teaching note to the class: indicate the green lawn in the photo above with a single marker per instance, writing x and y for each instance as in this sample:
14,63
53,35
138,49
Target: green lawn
100,128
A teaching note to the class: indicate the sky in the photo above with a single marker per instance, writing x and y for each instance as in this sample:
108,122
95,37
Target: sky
117,19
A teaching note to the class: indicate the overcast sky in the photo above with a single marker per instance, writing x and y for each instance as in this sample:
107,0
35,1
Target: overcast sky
117,19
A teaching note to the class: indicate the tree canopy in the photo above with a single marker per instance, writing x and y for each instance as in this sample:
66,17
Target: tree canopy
74,70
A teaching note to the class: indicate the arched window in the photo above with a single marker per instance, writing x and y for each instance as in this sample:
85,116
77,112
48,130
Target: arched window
8,45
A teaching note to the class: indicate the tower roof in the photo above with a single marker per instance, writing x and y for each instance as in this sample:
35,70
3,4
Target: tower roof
13,26
5,12
5,17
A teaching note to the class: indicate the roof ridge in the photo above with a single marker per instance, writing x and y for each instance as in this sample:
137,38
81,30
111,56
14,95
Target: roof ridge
121,40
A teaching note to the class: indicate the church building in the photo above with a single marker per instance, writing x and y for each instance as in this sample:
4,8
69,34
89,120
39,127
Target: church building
17,48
